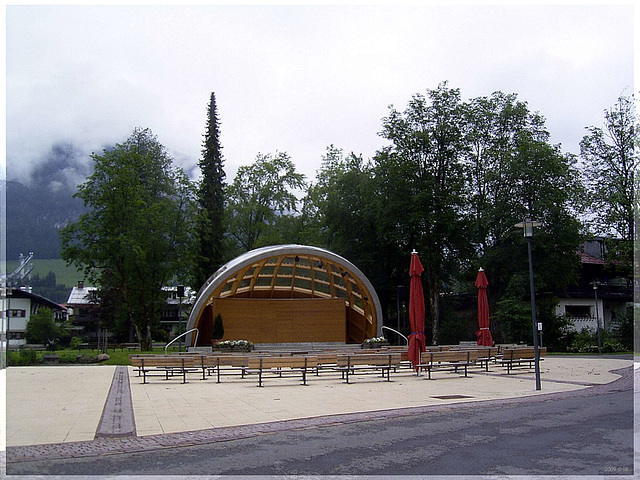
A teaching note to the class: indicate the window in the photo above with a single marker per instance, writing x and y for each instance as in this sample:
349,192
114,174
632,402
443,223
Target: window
14,312
581,311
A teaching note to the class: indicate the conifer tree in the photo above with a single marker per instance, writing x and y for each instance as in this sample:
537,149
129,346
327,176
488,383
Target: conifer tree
210,229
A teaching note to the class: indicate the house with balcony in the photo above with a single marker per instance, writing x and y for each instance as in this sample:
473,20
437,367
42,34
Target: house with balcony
602,293
179,300
83,306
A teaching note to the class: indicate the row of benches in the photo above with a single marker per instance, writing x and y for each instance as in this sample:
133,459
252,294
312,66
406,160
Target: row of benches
455,359
171,365
382,362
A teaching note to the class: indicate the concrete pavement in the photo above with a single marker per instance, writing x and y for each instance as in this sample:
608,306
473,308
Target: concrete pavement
64,404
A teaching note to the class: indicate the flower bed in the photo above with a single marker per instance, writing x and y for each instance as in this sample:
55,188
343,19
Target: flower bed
375,342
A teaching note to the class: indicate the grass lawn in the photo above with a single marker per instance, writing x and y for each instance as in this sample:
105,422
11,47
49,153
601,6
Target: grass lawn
65,275
70,356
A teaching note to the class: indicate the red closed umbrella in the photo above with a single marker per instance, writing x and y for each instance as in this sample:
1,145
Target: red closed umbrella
417,340
483,333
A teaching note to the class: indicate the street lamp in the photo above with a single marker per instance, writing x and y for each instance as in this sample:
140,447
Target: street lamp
527,227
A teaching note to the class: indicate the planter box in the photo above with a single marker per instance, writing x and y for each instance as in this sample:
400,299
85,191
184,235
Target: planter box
218,348
374,345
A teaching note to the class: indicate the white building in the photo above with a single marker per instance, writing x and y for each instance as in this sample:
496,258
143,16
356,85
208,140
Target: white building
601,293
20,306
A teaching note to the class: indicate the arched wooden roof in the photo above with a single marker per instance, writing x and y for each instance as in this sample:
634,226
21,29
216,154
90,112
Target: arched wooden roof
292,271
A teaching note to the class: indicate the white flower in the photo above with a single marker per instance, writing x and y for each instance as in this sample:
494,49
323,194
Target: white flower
376,340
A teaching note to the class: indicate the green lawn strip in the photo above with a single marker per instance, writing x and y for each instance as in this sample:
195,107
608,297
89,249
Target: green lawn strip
65,275
84,356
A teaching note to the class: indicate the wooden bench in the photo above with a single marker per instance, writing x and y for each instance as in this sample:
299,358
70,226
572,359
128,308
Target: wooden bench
480,355
164,365
225,363
326,361
129,346
486,355
446,359
383,362
280,365
404,354
519,357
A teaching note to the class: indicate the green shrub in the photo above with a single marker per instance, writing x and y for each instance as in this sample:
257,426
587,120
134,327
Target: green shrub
23,357
75,342
611,346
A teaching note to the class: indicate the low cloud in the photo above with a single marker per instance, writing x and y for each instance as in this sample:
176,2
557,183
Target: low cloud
63,167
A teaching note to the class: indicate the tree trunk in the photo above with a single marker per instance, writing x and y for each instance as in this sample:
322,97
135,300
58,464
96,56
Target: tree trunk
433,290
434,309
144,337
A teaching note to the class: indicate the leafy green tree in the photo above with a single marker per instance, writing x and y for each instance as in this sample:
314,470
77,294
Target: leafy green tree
210,226
493,128
261,195
42,328
340,213
421,180
611,161
48,287
515,173
340,202
137,233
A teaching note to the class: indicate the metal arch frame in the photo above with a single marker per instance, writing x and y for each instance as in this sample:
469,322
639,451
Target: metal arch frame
246,260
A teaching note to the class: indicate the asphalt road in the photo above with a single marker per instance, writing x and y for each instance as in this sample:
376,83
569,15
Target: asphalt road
589,432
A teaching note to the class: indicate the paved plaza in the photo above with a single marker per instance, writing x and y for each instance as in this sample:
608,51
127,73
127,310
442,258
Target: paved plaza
65,404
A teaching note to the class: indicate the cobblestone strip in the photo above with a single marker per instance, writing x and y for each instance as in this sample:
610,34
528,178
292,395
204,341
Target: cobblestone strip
132,444
117,416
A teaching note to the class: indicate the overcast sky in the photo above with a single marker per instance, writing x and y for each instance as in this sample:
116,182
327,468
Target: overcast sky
295,79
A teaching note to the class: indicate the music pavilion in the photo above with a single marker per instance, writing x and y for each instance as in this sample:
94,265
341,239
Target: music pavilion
287,294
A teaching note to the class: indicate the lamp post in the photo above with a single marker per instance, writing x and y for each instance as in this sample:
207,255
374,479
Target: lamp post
527,227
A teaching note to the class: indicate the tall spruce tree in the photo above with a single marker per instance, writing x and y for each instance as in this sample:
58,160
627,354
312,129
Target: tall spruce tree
210,229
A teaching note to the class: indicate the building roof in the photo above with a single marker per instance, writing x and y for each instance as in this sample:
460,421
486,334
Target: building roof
19,293
590,259
81,296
